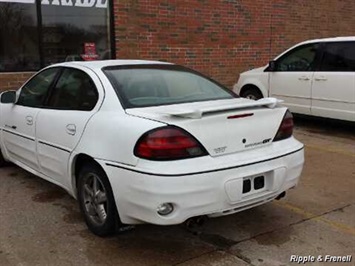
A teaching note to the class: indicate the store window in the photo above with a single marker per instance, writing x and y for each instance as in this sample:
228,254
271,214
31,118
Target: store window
75,33
37,33
19,48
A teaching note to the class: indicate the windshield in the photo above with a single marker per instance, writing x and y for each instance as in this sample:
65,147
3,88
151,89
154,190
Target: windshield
141,86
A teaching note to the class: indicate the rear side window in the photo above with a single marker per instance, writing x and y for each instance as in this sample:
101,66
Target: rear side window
151,86
74,90
34,92
339,57
302,58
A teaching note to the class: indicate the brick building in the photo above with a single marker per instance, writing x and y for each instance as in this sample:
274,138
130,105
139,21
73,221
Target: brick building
220,38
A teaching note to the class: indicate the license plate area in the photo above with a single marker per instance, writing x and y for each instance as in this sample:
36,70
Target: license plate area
248,187
253,184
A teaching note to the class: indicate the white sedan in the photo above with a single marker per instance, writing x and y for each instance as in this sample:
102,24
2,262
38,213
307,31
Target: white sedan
148,142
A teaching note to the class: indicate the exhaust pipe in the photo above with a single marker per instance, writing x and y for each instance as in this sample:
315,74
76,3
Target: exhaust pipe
195,222
200,221
282,195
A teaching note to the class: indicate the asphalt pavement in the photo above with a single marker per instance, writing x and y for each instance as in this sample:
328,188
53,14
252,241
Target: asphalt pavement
41,225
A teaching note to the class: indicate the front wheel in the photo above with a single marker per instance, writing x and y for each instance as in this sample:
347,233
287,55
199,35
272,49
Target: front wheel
3,162
96,201
252,93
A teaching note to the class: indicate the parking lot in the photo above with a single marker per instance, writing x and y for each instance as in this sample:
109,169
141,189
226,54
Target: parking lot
41,225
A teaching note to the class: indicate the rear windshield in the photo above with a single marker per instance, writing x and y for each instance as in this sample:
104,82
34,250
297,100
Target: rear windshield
153,85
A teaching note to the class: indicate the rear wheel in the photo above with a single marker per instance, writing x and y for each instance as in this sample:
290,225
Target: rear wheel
96,201
252,93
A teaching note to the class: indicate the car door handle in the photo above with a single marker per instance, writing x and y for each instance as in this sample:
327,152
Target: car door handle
29,120
71,129
13,127
320,78
304,78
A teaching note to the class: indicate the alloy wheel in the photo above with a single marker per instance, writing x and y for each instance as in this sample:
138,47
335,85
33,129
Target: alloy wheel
95,199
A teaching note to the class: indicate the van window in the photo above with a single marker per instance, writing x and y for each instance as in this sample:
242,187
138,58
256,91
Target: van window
301,58
339,56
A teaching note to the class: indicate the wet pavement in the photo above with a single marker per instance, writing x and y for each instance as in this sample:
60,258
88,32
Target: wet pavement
41,225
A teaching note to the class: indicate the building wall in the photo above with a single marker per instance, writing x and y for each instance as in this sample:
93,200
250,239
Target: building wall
220,38
11,81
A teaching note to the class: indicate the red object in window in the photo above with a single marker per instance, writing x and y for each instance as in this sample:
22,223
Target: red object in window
89,48
90,52
89,57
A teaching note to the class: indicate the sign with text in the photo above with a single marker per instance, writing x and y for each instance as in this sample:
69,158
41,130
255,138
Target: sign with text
89,48
18,1
89,52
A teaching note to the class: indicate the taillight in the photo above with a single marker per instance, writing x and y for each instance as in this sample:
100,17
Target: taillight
286,127
168,143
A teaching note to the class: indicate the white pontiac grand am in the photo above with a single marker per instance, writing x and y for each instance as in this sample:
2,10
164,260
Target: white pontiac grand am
148,142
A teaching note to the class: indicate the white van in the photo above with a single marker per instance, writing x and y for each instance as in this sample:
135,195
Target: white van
315,77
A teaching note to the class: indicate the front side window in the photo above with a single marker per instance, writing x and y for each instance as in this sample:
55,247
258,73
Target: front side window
161,85
74,90
339,57
299,59
34,92
19,49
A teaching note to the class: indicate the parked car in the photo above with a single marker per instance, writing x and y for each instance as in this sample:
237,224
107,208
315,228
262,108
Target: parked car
148,142
315,77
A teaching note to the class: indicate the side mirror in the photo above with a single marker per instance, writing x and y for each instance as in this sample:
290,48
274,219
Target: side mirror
8,97
272,66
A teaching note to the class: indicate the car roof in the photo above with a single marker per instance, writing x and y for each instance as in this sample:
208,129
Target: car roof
333,39
99,64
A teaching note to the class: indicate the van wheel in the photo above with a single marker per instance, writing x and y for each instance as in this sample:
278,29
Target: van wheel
96,201
252,93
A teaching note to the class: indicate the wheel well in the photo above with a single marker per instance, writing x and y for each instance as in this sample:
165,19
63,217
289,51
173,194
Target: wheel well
249,86
79,161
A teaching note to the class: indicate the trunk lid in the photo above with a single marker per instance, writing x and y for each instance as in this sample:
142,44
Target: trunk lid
223,126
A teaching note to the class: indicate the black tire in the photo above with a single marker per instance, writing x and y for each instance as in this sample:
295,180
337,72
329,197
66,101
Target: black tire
252,93
97,204
3,162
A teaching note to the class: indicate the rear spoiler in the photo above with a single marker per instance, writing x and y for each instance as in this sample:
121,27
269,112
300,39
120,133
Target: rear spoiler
196,114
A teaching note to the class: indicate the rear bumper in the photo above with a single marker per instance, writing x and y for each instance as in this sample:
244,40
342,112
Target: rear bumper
211,192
